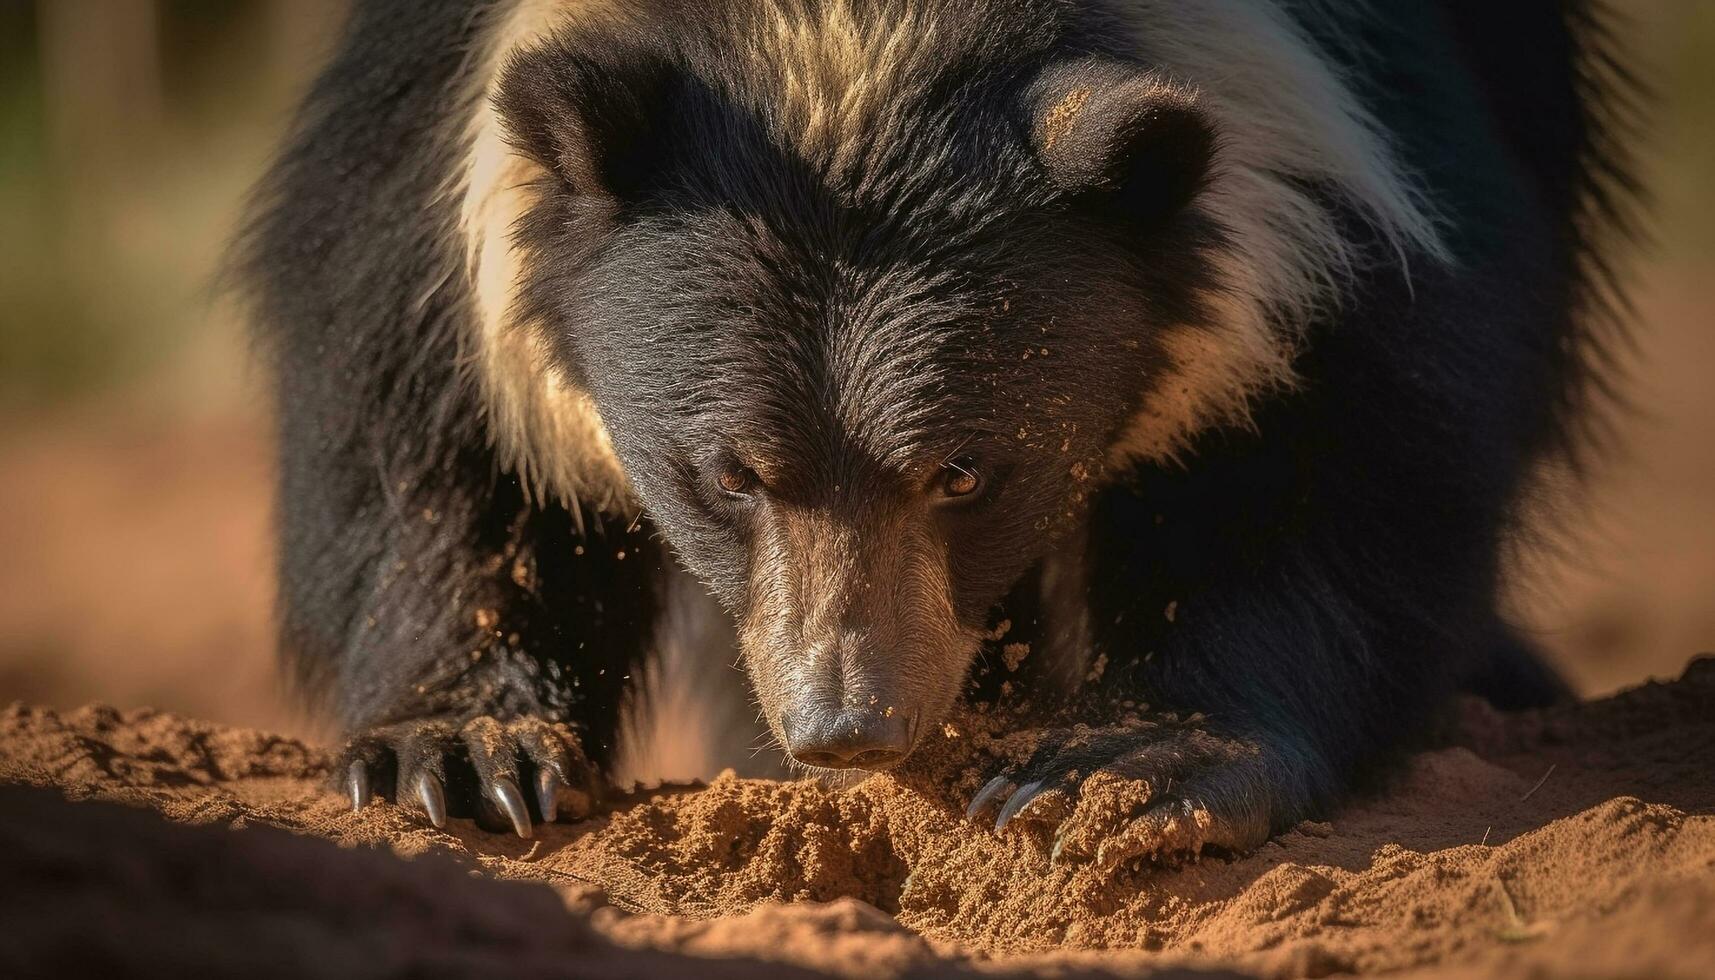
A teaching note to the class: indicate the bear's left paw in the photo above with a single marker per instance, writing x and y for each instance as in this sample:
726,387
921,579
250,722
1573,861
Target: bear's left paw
1140,792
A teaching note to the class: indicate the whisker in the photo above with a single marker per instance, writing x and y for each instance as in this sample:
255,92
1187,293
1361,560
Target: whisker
947,460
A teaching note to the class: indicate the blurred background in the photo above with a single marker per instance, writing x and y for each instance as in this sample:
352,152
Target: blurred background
135,477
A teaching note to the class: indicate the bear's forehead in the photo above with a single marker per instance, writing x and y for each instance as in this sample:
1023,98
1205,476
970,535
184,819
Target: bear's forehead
847,394
876,382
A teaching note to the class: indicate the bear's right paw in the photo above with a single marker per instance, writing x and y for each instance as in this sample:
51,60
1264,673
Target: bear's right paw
482,762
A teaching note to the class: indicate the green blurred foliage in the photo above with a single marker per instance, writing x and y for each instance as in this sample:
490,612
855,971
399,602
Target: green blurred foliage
1677,44
120,190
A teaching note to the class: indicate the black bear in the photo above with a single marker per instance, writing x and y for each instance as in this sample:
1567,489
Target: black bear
1206,345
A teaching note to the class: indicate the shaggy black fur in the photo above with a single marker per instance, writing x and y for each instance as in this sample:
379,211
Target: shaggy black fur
836,314
417,580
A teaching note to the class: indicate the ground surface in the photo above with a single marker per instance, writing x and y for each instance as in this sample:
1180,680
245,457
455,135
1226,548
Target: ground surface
1574,842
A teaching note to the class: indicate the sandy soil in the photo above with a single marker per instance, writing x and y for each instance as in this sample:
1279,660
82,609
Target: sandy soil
1573,842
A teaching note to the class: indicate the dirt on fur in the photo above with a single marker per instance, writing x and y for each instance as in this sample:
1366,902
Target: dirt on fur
1578,841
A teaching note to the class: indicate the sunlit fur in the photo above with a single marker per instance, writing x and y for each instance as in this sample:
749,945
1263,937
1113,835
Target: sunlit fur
1286,122
542,425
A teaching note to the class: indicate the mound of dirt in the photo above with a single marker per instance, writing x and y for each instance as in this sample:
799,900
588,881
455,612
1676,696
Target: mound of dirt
1577,841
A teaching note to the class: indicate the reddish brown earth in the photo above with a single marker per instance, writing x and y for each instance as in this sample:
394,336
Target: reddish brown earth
1573,842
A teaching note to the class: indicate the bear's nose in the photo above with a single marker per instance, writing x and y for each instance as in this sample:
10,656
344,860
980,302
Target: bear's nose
847,739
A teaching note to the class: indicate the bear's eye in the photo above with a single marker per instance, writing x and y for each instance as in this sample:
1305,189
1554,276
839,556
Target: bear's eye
959,478
738,480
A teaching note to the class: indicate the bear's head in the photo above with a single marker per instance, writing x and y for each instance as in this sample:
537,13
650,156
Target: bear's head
864,309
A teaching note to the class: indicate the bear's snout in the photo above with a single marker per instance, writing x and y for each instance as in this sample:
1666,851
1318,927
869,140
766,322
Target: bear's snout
849,632
845,738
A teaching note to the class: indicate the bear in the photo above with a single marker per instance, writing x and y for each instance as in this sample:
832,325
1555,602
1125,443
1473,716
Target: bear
1210,350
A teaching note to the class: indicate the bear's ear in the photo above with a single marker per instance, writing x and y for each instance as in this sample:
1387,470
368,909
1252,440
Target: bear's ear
1120,137
594,120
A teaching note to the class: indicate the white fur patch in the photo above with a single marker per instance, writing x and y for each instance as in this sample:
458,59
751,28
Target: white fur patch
544,427
1285,120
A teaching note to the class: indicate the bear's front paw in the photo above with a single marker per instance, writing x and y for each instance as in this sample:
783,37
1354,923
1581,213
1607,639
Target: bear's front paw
1143,791
482,762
